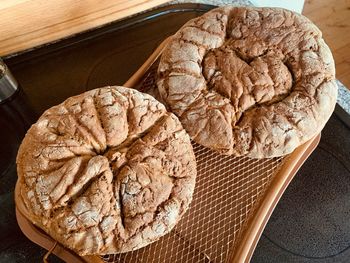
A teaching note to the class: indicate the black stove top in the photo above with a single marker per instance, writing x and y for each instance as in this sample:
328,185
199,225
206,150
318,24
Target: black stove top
109,56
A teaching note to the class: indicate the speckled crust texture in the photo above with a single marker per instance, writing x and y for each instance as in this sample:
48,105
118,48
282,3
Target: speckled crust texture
106,171
249,81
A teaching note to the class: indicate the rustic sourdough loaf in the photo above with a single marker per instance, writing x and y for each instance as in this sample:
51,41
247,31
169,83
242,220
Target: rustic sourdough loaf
106,171
249,81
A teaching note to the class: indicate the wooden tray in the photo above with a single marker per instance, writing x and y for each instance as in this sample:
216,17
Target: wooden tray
233,200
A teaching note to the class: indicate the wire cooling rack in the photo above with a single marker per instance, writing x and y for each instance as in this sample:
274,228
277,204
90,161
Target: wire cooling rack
233,199
227,191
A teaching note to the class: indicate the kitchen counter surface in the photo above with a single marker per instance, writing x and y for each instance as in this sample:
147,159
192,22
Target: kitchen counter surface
15,247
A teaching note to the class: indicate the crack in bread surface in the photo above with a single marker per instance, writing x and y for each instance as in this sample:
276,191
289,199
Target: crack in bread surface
231,72
100,171
246,82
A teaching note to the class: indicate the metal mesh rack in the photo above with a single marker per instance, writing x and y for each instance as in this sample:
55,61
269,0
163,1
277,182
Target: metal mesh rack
227,190
233,199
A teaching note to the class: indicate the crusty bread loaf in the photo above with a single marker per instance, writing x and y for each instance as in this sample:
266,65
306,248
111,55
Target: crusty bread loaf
249,81
106,171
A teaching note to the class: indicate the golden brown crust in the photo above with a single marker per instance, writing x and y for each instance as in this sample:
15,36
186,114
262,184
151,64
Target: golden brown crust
106,171
249,81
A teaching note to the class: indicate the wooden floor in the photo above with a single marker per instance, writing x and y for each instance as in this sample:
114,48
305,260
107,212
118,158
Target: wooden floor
333,18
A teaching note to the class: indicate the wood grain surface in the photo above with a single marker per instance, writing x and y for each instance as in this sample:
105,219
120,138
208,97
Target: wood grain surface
333,18
28,23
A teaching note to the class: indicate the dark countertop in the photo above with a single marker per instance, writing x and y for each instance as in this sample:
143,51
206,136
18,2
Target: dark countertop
308,225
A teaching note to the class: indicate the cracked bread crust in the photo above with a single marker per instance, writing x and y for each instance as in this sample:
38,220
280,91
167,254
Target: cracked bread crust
249,81
107,171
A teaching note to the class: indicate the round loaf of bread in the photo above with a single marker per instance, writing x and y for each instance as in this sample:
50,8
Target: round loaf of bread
249,81
107,171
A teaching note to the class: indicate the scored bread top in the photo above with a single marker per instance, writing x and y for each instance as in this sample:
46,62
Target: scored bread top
249,81
106,171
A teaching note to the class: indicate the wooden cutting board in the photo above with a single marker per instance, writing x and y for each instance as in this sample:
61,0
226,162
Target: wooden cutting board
25,24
